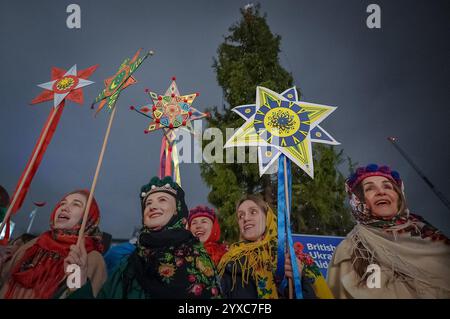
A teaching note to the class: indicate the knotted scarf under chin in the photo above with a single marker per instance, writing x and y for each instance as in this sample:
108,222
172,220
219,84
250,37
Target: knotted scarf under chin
143,264
158,240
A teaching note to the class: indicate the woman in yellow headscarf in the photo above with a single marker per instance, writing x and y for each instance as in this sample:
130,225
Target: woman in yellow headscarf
248,269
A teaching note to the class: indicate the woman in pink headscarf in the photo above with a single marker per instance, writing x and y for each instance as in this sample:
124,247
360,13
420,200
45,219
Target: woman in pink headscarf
204,224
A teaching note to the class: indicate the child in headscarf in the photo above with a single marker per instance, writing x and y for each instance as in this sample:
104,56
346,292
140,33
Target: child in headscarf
37,268
412,256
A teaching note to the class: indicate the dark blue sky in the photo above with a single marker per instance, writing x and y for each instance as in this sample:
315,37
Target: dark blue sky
391,81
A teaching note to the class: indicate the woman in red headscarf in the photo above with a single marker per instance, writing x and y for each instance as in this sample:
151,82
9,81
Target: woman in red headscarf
37,269
203,224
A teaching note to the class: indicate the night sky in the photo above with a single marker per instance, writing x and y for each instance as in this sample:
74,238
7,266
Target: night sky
392,81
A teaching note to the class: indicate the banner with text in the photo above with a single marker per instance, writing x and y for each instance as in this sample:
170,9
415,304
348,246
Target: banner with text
321,248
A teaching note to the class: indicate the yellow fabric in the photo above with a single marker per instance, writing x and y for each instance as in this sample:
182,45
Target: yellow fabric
176,164
313,275
321,288
258,259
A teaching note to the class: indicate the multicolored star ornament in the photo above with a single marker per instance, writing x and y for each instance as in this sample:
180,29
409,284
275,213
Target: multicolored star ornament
280,123
171,111
65,85
119,81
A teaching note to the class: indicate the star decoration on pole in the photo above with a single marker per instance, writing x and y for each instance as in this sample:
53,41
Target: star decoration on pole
65,85
281,124
171,111
119,81
110,94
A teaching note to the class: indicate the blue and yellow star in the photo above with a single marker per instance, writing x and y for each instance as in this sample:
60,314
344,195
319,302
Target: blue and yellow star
280,123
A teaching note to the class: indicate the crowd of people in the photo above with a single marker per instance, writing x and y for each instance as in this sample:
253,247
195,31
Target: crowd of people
177,253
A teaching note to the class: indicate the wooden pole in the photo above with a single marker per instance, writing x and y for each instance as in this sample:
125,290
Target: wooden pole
94,182
286,194
27,172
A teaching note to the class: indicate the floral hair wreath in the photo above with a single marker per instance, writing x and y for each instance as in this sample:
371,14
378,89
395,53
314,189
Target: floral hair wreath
359,209
372,170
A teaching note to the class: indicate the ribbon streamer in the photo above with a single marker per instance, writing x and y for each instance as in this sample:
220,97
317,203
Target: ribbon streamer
168,171
285,241
162,158
176,164
32,166
52,123
168,154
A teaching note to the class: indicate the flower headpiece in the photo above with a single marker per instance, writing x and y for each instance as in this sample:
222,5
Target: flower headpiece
372,170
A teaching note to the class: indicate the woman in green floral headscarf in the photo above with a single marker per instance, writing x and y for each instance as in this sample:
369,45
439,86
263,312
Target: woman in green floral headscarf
169,262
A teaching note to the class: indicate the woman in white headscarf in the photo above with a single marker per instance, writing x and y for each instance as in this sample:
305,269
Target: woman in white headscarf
390,253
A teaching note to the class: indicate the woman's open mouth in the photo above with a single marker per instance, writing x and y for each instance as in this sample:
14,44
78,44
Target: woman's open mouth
249,226
63,217
199,233
382,202
155,215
